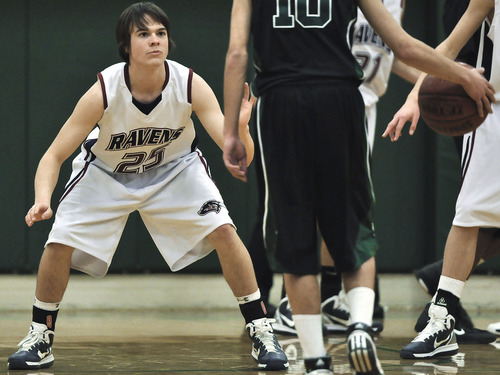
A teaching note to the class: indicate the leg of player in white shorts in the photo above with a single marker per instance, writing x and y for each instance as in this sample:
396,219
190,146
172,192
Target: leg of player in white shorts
184,213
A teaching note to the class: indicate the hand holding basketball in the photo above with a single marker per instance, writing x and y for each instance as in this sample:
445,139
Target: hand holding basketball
447,108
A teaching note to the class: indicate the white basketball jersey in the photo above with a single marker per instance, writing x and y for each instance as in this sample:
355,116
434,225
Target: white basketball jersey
373,54
130,141
494,35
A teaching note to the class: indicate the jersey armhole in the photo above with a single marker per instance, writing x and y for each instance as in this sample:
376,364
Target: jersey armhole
189,85
103,89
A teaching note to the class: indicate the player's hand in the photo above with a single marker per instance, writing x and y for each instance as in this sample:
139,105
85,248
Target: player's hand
409,112
39,211
235,157
481,90
247,104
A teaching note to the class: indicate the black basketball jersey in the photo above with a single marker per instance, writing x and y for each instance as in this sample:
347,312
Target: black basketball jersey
302,41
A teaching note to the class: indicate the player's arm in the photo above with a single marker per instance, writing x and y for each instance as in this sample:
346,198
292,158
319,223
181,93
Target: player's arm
234,79
417,54
207,109
405,71
86,114
468,24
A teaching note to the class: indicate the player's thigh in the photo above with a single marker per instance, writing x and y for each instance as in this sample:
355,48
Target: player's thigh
180,216
92,214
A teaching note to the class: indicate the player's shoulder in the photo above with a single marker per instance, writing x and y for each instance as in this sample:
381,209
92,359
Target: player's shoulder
174,65
113,69
179,74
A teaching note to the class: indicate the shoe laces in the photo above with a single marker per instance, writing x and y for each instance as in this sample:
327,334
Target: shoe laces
33,337
262,330
438,321
341,304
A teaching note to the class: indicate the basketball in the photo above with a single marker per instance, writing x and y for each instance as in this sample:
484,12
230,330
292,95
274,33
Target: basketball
446,108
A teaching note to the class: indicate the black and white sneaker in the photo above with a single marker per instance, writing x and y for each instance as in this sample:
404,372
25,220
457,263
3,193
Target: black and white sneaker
361,350
318,366
35,350
266,349
336,315
283,320
428,277
436,339
465,332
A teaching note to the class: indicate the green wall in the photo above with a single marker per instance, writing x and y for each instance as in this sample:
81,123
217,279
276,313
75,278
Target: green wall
52,52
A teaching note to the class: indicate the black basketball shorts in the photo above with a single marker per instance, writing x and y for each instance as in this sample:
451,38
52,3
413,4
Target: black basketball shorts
315,163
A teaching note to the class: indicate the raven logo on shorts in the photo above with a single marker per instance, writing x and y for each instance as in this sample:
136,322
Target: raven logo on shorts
210,206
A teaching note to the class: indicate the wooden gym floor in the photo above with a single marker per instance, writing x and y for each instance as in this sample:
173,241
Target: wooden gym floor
190,324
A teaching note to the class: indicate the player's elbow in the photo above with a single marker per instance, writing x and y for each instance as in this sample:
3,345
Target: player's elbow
236,57
406,52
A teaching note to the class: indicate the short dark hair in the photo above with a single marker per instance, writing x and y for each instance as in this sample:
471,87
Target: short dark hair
135,15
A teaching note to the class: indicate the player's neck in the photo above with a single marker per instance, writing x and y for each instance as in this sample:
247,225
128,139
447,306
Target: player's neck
146,83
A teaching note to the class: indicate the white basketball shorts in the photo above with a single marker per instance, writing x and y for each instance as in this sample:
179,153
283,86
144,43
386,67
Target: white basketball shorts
178,202
478,203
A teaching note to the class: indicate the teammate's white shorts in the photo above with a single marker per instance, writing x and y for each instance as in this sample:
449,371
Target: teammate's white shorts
478,203
178,202
371,124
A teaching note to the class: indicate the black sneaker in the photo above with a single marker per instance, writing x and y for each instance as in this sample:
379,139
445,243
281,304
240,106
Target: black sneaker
271,310
378,312
428,277
474,336
283,320
335,310
35,350
465,332
361,350
318,366
436,339
336,315
266,349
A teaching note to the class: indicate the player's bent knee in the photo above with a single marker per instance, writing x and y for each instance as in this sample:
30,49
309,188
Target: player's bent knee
222,231
224,236
58,249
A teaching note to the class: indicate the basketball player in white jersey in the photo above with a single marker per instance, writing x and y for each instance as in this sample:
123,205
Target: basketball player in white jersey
144,157
377,61
477,203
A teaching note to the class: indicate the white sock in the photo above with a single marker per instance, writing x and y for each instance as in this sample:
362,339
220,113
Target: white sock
310,331
361,300
47,306
251,297
453,286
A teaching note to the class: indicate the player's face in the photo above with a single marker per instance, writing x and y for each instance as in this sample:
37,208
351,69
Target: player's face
149,45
